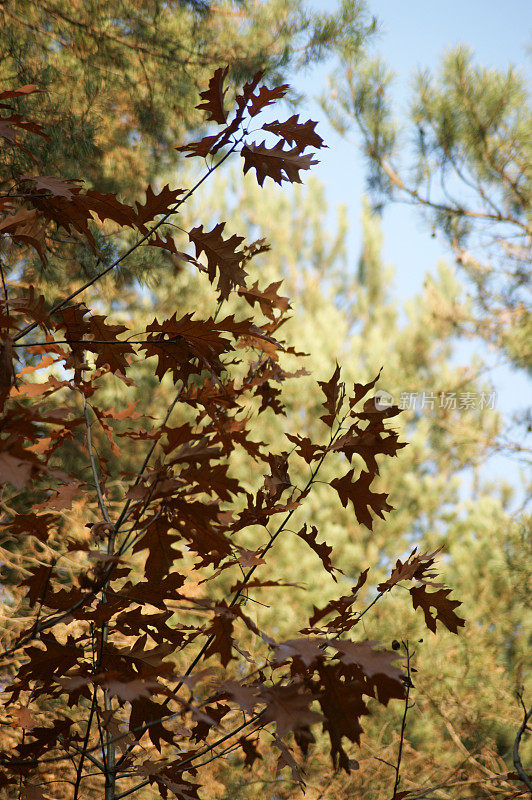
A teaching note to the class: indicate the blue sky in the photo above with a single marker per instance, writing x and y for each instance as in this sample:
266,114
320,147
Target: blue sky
413,34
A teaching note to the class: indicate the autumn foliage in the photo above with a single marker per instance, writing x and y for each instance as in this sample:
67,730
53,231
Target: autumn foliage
131,657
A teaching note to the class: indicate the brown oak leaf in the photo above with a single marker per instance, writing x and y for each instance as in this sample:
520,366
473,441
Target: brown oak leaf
334,391
276,162
221,630
155,204
63,497
306,650
288,707
443,607
158,540
60,187
342,706
33,306
265,97
213,97
360,390
14,470
31,792
414,568
361,496
22,718
127,691
109,350
250,751
222,255
25,227
342,606
286,759
368,444
292,131
268,299
28,88
147,715
371,661
305,449
322,550
202,148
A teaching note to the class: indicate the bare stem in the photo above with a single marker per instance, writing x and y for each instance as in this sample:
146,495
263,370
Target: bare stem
101,500
515,753
408,683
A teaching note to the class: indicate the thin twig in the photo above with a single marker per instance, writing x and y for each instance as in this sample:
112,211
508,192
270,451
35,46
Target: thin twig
101,500
515,752
4,287
85,746
408,682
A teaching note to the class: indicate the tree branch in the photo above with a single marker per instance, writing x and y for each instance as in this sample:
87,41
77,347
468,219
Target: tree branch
408,684
515,751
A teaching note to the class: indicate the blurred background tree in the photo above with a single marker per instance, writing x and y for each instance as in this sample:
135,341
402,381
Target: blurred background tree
120,85
462,727
463,158
460,732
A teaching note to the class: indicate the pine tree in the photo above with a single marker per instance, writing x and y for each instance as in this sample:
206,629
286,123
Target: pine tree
120,83
463,159
119,89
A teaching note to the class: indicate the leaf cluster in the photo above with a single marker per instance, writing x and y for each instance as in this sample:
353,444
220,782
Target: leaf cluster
105,655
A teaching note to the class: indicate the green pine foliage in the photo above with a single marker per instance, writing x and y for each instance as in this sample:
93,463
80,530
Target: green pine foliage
120,81
462,157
